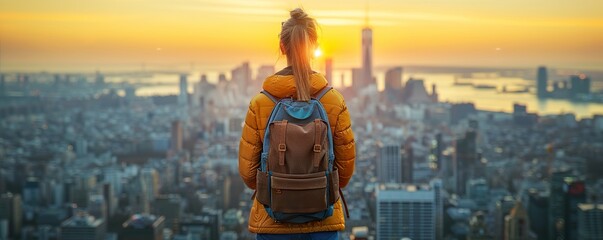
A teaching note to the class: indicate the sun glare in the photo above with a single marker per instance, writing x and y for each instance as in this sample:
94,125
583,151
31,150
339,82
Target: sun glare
317,52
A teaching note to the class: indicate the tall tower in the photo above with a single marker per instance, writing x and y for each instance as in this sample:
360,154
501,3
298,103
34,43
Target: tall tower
542,82
183,96
367,53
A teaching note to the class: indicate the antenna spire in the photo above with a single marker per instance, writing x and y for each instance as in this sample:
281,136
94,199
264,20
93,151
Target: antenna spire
366,13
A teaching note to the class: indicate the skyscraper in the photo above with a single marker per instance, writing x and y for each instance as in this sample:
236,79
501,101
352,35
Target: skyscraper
329,71
567,191
465,160
542,79
538,213
503,208
478,191
176,145
590,221
183,96
408,161
241,75
517,224
437,185
393,85
389,164
83,227
393,78
357,79
168,206
150,179
406,211
367,56
10,209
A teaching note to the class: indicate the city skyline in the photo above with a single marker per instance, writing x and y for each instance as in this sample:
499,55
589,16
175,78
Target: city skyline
116,36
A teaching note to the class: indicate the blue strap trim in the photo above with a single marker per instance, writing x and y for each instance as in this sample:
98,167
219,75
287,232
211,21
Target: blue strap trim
325,117
273,98
322,92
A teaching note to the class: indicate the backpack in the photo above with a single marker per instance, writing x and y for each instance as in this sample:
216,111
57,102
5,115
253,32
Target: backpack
297,181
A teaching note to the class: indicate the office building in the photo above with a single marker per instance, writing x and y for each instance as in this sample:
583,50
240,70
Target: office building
538,208
110,199
393,85
393,78
170,207
32,193
465,160
517,224
329,71
389,164
177,136
142,227
502,209
408,161
357,79
11,211
183,96
150,179
405,211
437,186
478,191
83,227
566,192
542,82
241,75
414,92
204,226
97,207
137,195
590,221
580,85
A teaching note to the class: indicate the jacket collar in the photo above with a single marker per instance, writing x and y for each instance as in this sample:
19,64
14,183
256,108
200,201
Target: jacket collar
282,83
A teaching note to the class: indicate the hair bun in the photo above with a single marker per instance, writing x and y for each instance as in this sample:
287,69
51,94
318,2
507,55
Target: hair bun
298,14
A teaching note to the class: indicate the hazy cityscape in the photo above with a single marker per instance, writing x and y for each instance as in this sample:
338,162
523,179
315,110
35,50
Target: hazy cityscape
443,152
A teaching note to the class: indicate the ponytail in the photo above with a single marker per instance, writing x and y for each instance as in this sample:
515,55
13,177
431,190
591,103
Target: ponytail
298,38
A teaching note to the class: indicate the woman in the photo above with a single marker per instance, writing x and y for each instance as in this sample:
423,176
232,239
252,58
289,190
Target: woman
298,40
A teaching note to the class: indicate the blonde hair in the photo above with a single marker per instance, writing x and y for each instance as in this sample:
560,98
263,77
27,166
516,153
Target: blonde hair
298,39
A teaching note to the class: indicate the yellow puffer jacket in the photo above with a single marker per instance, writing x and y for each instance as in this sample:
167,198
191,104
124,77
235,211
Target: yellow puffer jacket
282,85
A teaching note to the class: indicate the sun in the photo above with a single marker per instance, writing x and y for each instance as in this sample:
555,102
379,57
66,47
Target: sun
317,52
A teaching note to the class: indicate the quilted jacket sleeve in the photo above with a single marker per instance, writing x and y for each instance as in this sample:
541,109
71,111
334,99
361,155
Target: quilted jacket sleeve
250,147
344,146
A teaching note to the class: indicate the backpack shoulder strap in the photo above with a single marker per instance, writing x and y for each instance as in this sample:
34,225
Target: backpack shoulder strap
322,92
272,98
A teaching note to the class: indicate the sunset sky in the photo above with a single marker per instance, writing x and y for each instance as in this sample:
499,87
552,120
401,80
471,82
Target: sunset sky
76,35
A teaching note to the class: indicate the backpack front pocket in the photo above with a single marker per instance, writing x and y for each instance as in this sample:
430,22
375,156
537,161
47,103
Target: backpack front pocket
293,194
262,192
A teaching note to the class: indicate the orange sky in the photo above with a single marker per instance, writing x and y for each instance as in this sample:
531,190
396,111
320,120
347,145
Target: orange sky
75,35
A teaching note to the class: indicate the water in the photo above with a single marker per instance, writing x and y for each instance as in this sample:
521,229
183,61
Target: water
494,100
485,99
